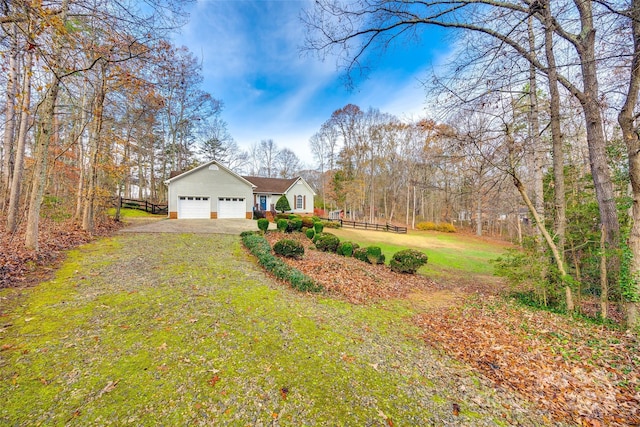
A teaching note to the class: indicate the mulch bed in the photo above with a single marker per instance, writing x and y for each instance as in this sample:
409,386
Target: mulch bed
350,278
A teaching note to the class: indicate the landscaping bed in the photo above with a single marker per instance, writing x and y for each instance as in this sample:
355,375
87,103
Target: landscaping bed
353,279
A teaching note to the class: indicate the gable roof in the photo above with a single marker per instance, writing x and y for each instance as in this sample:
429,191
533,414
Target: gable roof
270,185
189,172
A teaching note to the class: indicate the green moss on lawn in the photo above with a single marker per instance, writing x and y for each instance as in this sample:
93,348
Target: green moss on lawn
192,332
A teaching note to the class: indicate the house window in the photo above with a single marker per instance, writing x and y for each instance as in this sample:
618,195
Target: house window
299,202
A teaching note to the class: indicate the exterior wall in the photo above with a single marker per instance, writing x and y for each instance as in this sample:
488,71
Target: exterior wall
300,189
210,182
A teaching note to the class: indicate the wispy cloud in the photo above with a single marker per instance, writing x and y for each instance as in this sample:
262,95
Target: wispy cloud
252,62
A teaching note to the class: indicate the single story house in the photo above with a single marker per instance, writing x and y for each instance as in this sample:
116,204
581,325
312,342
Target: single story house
267,191
214,191
209,191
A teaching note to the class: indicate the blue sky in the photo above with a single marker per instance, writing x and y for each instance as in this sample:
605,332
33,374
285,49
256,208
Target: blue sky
250,51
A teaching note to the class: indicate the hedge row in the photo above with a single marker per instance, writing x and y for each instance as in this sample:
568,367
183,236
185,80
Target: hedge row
431,226
259,247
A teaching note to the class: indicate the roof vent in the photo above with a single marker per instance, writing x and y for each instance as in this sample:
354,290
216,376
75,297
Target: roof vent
213,167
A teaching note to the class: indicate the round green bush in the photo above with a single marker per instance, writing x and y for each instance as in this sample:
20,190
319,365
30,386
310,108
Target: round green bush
296,224
310,233
408,261
282,224
307,221
374,255
361,254
289,248
318,226
345,249
263,224
327,243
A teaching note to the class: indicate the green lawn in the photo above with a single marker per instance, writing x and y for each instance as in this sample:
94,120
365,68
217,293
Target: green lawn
450,254
132,213
192,332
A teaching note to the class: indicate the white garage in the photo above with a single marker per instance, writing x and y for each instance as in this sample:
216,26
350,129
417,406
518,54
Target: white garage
209,191
231,207
194,207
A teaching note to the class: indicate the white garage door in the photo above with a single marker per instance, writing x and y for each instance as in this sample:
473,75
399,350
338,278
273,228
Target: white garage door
191,207
231,207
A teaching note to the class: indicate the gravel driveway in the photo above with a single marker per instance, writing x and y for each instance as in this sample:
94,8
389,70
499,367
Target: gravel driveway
200,226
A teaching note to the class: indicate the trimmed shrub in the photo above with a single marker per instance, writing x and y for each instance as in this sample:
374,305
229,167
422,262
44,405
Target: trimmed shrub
294,216
446,227
318,227
361,254
289,248
426,226
263,224
375,255
295,224
247,233
283,224
260,248
307,221
310,233
319,235
327,243
283,204
430,226
281,216
331,224
408,261
345,249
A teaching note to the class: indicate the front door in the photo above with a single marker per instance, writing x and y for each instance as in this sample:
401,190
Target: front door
263,203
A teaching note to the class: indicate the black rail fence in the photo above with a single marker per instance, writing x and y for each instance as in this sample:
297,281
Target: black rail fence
143,205
368,226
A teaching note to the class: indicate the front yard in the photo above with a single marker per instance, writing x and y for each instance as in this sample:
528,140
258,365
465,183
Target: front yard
192,332
577,371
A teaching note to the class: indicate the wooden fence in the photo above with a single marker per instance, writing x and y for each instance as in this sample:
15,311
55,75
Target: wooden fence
369,226
143,205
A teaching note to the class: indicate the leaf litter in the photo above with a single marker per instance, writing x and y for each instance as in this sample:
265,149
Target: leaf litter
580,373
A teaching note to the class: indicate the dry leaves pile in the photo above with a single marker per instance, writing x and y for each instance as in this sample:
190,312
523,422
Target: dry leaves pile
19,265
357,281
585,373
578,372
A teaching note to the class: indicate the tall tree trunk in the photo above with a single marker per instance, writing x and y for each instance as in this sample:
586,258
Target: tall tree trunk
80,152
594,126
44,135
16,181
626,119
94,152
557,143
10,122
479,214
534,130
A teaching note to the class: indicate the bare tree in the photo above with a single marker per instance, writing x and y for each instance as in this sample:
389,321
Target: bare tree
288,163
267,153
